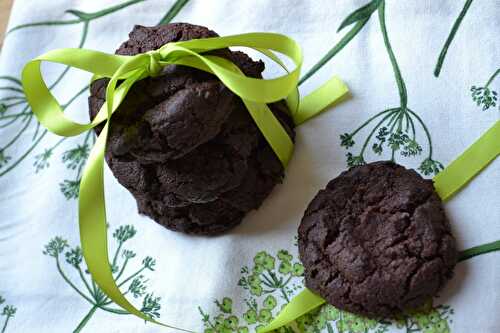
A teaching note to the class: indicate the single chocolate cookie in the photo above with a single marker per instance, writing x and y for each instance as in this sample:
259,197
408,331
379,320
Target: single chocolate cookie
376,241
184,145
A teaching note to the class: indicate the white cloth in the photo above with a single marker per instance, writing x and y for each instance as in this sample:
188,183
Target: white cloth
192,272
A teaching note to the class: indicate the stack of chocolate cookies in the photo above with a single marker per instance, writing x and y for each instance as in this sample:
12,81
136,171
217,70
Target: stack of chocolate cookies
184,145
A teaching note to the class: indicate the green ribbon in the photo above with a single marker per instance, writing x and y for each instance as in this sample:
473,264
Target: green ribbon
255,93
470,163
448,182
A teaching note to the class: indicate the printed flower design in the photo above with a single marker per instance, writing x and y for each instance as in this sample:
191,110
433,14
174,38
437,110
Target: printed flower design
428,319
42,160
70,188
283,255
285,267
484,96
270,302
394,129
250,317
265,316
272,282
270,275
297,269
263,261
226,305
8,312
135,283
430,166
73,157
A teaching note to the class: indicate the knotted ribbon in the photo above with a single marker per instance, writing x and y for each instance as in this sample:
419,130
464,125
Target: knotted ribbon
447,183
123,72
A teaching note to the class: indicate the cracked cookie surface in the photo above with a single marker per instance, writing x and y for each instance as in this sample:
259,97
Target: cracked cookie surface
376,241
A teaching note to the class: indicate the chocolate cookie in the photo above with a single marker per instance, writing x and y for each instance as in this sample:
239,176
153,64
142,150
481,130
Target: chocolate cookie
184,145
376,241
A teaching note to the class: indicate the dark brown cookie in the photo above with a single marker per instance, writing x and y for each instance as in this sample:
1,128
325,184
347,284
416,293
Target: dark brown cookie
203,216
376,241
184,145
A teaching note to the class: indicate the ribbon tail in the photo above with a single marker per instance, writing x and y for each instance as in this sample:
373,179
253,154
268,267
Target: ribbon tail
470,163
93,226
303,303
272,130
93,229
332,91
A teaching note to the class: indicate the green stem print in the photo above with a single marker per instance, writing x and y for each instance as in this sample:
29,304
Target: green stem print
174,10
86,319
360,16
485,96
16,114
135,283
479,250
395,128
451,36
8,312
81,17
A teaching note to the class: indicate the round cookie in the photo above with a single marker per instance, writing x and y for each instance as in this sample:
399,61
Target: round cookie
184,145
376,241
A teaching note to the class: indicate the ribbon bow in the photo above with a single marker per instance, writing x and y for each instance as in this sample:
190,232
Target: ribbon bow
127,70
